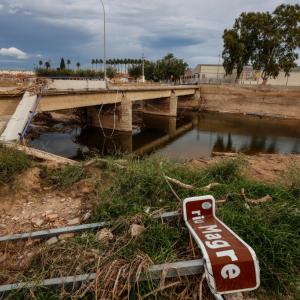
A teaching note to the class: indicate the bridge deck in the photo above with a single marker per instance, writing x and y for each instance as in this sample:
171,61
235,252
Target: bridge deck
58,100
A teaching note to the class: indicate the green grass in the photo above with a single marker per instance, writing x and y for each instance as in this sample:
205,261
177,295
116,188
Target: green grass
292,179
272,229
64,177
12,163
162,242
142,185
122,196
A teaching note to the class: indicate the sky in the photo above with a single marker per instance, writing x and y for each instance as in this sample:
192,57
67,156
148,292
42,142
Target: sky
33,30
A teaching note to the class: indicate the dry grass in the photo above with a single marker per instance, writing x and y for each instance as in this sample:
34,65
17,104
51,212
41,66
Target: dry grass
270,228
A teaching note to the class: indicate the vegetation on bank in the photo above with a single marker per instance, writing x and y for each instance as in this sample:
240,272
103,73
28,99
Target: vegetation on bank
12,163
80,73
63,178
169,68
130,191
266,41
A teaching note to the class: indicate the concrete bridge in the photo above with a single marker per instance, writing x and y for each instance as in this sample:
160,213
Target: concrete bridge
115,104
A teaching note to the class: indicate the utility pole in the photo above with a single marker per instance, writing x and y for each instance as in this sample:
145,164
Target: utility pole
143,68
104,40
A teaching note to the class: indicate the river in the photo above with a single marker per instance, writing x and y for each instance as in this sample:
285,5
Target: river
190,135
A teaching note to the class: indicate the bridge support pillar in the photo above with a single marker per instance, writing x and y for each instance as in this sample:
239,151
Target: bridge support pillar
112,116
160,123
163,106
197,95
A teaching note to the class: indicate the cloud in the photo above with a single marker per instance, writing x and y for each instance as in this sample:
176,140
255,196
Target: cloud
73,29
14,52
169,41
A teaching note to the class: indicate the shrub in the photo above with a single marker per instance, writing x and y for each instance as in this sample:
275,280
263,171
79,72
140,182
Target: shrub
226,169
69,73
292,179
64,177
12,162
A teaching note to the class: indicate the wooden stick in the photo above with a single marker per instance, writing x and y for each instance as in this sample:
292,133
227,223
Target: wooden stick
42,154
255,201
210,186
227,154
179,183
261,200
94,161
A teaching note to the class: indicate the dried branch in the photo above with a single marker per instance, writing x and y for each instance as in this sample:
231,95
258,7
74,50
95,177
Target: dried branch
179,183
255,201
210,186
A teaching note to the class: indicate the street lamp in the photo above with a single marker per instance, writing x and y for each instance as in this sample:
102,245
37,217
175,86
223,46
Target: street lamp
104,39
143,68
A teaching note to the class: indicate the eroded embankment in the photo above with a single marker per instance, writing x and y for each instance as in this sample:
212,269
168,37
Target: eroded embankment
282,102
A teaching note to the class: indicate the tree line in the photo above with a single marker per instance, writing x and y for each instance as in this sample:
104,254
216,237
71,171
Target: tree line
169,68
62,66
266,41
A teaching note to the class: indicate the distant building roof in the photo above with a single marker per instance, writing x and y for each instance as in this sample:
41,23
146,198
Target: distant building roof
199,68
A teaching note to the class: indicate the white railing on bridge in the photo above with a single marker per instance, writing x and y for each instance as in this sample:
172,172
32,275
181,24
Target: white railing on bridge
76,84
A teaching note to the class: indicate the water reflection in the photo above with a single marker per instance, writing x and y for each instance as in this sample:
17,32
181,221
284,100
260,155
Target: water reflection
189,136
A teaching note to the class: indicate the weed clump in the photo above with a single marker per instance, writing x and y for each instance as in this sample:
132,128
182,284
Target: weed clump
292,180
64,177
226,169
12,162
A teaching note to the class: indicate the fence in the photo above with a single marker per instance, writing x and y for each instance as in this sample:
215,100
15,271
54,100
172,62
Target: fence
248,77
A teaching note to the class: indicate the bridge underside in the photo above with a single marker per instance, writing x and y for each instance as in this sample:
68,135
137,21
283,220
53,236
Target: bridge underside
110,109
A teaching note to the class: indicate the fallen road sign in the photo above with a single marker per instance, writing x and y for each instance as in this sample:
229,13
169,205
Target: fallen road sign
230,264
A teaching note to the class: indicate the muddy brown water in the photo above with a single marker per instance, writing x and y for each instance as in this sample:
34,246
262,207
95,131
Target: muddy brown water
190,135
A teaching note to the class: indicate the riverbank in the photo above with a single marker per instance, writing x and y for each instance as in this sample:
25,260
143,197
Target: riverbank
44,195
268,101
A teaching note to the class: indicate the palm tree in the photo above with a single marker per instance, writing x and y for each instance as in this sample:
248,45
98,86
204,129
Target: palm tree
68,63
119,62
123,65
47,65
78,65
126,65
40,63
100,61
93,62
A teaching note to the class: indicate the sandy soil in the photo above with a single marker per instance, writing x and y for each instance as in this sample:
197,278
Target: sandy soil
27,206
262,167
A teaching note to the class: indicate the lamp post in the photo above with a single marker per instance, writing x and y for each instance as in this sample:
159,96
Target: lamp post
143,68
104,39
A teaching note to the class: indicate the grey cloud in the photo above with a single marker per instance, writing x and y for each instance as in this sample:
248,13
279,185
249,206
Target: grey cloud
73,28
